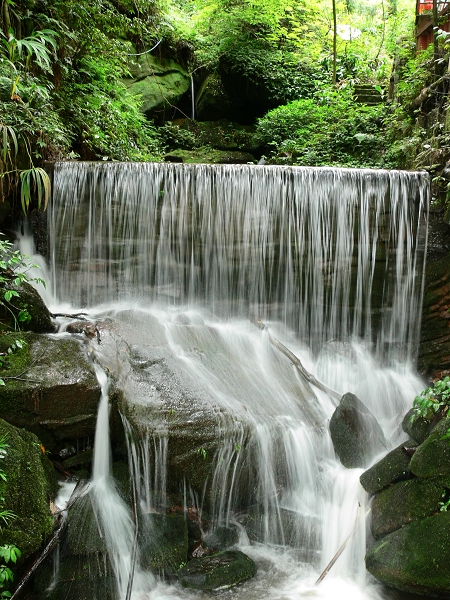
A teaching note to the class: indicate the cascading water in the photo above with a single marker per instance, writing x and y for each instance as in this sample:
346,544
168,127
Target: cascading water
184,259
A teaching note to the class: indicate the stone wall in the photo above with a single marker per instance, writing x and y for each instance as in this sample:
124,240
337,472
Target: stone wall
434,349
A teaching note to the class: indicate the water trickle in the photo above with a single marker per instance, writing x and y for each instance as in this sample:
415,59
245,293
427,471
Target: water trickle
183,259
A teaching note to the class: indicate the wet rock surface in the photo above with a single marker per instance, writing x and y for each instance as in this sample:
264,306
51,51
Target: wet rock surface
418,428
163,543
434,349
404,502
356,434
415,558
52,390
393,467
432,457
219,571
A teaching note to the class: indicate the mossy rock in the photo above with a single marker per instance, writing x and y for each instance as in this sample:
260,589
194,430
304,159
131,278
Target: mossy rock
159,84
29,484
418,429
222,135
415,558
89,576
84,533
391,468
287,528
405,502
432,458
57,394
164,543
222,537
355,432
29,298
122,477
79,460
218,571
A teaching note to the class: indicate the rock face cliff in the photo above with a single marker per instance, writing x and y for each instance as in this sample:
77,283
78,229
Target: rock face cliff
434,349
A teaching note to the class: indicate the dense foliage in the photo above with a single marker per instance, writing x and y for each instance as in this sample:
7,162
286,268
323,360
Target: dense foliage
329,129
63,65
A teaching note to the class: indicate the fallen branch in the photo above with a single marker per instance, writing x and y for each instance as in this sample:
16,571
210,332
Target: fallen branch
341,549
135,544
61,525
298,365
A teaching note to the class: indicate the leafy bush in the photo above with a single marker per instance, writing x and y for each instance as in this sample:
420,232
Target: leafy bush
434,400
329,129
14,268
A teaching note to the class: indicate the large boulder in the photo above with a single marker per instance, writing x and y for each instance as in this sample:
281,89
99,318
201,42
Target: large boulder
406,501
84,577
218,571
415,558
356,434
415,426
391,468
25,489
28,298
432,458
164,543
160,84
51,388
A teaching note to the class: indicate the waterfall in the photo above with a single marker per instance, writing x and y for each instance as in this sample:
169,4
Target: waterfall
184,259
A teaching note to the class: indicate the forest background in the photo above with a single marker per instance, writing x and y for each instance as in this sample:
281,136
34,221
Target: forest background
64,65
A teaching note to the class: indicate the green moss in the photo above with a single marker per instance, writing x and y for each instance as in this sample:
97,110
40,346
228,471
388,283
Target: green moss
432,458
51,370
164,543
405,502
218,571
17,362
84,529
391,468
416,557
26,491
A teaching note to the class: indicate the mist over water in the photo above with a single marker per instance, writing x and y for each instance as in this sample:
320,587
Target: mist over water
184,260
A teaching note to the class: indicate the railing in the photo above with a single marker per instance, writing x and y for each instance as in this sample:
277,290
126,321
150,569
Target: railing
426,6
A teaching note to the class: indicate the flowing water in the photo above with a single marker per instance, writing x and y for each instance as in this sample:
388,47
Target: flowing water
182,261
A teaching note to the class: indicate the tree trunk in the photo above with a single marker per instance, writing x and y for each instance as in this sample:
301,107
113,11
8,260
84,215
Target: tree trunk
435,40
335,40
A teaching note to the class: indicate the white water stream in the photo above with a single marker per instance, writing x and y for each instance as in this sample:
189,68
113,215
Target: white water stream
183,259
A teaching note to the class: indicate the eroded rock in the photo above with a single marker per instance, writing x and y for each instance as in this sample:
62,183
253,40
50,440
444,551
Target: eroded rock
356,434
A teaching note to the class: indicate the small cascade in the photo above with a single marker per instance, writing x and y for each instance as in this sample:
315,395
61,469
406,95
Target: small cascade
183,260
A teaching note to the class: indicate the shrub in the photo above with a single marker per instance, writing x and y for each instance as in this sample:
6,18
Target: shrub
329,129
